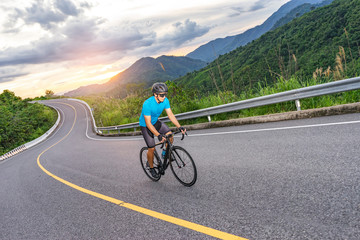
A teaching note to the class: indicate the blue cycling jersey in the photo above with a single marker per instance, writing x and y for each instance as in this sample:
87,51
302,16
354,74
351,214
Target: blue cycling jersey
153,109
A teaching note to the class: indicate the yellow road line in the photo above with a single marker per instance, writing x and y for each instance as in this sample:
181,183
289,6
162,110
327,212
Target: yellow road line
180,222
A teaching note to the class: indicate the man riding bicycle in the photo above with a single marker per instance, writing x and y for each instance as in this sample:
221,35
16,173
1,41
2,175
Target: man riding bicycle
150,124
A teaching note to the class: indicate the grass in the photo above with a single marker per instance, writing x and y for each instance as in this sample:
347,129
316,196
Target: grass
111,112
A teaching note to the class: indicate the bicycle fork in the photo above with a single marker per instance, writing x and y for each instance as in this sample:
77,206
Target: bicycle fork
179,162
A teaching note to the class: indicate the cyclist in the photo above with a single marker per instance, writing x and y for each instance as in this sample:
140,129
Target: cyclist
150,124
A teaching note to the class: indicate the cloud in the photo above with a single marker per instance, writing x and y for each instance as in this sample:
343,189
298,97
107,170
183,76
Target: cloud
45,13
257,6
91,39
70,35
78,39
184,32
9,74
9,78
84,30
67,7
239,10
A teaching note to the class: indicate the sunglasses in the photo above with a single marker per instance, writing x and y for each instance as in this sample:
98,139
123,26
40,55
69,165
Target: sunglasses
163,95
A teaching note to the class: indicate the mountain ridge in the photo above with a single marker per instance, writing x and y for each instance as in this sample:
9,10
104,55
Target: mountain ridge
211,50
145,70
322,41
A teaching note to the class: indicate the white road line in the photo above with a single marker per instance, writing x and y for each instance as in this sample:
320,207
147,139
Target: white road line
224,133
274,129
101,139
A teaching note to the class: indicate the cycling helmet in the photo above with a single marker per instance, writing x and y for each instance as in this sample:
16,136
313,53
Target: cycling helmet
159,87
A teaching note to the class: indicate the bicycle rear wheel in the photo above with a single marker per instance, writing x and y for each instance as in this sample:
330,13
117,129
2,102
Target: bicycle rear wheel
183,166
145,165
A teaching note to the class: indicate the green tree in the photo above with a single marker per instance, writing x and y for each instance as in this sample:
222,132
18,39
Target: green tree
49,93
21,122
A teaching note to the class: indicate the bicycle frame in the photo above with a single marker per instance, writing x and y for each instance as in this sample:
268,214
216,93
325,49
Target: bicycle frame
182,165
168,150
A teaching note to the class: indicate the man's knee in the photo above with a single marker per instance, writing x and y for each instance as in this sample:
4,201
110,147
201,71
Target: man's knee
171,137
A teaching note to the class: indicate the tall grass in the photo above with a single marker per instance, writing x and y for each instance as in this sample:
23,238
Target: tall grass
110,111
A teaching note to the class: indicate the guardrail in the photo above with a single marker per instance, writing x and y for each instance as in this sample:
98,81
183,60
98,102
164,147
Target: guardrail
292,95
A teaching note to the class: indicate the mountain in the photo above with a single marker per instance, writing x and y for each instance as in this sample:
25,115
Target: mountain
298,48
146,70
163,68
210,51
87,90
298,12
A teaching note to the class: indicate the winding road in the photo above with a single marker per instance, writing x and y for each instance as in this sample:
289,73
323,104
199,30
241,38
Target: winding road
294,179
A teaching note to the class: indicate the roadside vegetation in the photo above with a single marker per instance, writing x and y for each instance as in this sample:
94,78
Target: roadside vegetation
115,111
112,111
21,121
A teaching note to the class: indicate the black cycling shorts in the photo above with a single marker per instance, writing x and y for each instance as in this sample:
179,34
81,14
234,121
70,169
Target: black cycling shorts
161,127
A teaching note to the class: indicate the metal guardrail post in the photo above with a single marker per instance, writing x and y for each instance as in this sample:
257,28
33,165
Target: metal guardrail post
209,118
297,103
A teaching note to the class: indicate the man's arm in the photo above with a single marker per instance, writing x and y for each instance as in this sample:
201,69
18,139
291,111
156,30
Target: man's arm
173,119
150,126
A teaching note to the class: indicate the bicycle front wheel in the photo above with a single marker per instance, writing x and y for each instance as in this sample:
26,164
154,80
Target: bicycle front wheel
145,165
183,166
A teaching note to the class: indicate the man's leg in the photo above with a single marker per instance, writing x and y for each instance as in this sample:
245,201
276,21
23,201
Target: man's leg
164,129
171,138
150,157
150,142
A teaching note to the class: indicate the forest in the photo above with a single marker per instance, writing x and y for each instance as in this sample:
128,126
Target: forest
323,41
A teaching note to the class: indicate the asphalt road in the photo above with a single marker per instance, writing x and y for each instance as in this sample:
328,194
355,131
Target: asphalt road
286,180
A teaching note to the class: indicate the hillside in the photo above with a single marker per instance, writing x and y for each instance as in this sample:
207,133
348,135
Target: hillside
299,11
210,51
297,48
162,68
144,71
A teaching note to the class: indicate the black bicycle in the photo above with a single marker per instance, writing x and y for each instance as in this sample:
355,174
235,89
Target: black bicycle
181,163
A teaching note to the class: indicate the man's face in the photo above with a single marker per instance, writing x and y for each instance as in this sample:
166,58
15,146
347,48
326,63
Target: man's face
162,96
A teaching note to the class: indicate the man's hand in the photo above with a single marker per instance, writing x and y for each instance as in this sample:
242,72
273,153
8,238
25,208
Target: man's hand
161,137
182,129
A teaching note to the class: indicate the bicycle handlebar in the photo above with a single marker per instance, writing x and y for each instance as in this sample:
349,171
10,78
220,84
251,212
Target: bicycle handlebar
183,135
172,134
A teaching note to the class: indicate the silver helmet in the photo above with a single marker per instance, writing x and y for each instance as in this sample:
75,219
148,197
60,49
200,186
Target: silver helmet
159,87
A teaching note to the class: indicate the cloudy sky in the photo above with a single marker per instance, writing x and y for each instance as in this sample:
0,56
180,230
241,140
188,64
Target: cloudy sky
63,44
